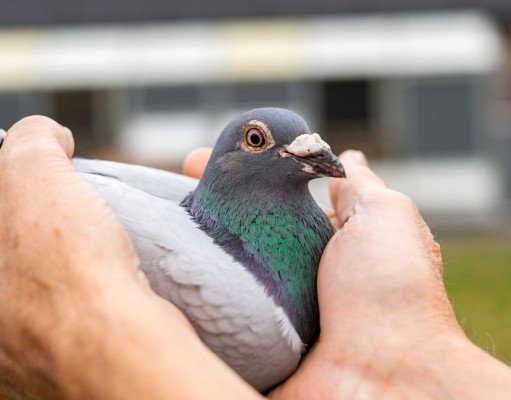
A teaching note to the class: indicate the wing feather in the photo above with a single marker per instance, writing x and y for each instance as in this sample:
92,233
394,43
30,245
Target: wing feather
232,313
156,182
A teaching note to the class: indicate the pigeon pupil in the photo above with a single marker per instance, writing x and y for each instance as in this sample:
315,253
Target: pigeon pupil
255,138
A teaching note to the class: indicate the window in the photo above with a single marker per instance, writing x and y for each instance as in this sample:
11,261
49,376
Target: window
14,106
348,117
347,103
255,95
168,99
75,109
442,116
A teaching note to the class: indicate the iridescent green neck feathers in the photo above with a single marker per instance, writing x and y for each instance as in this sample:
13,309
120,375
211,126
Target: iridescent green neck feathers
279,237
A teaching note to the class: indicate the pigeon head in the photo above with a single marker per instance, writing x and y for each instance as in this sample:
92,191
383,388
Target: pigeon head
273,145
253,200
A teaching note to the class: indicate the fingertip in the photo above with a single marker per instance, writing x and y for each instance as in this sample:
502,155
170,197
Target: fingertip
196,161
354,157
348,158
360,179
358,169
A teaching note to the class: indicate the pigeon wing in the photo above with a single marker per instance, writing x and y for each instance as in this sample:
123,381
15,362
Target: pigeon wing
159,183
232,313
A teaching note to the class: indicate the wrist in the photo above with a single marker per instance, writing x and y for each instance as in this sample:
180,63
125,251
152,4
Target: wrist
446,366
453,367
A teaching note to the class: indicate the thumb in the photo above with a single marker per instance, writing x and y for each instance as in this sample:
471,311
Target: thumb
39,131
195,162
360,180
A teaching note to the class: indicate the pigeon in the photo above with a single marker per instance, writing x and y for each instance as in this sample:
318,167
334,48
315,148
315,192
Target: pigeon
237,251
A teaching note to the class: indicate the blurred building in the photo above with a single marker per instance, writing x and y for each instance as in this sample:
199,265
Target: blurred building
423,87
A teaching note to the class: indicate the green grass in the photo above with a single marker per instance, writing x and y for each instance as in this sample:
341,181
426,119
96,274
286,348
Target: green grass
478,280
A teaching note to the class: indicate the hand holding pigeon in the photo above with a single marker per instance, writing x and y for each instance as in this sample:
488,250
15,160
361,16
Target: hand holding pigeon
77,321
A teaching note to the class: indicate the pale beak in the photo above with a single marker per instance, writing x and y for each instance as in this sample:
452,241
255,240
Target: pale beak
316,155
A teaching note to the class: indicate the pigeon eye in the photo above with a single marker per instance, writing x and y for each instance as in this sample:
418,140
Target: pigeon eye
255,138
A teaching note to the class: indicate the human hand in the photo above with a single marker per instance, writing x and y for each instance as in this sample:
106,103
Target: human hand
79,321
387,327
77,318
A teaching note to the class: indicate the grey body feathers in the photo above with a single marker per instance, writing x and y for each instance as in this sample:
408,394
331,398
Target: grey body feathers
232,313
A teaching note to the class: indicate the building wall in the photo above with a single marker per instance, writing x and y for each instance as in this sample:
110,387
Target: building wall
414,92
50,12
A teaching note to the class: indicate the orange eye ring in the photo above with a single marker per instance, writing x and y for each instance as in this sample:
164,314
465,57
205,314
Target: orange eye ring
256,137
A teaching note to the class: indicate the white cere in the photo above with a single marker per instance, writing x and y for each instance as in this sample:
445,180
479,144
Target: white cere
307,145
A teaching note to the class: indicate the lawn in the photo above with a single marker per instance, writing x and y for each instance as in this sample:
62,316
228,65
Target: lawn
478,280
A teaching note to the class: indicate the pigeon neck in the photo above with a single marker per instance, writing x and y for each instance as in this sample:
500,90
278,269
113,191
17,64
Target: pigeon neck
278,235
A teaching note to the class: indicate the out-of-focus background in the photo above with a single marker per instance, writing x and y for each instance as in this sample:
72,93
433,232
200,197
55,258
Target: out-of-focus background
423,87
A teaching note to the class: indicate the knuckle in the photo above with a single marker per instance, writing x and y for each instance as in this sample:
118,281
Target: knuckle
33,121
31,129
35,129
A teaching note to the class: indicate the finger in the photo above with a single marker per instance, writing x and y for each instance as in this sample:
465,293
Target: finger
195,162
356,157
361,180
335,223
42,132
331,215
329,211
363,192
